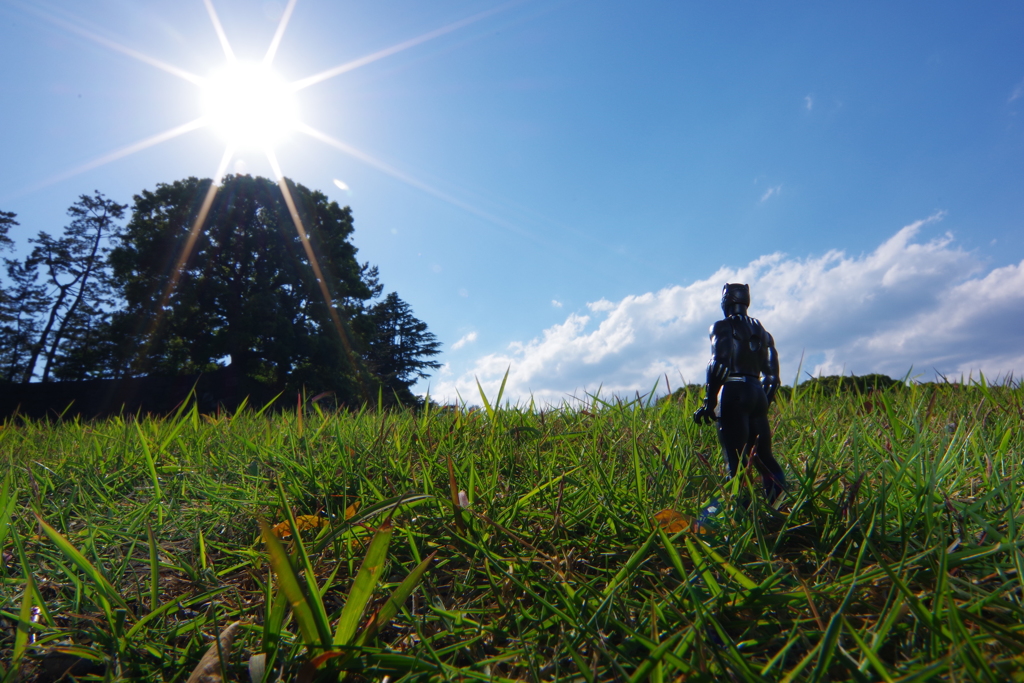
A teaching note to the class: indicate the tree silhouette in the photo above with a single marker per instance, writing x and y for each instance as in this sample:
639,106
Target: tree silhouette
19,307
24,303
246,293
400,347
74,276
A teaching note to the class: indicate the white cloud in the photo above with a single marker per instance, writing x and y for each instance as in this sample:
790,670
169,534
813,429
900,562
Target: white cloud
809,102
770,192
466,339
909,303
556,303
1017,91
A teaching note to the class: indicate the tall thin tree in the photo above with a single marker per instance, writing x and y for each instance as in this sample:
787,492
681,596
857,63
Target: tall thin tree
74,270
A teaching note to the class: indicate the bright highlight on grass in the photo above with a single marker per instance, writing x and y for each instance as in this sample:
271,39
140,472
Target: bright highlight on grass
250,106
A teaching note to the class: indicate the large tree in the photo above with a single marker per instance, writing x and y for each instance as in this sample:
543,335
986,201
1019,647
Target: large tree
240,288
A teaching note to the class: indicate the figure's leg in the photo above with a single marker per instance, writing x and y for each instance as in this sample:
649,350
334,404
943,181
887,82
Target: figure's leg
733,427
771,472
750,446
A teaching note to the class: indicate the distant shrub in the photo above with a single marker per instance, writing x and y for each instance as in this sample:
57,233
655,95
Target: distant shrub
863,384
824,385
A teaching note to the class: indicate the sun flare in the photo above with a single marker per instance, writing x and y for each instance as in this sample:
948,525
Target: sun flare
253,109
250,106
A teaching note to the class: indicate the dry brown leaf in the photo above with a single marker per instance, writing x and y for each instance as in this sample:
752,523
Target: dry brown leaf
208,669
302,523
672,521
351,510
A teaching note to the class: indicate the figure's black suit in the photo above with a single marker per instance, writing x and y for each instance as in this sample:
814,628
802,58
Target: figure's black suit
742,352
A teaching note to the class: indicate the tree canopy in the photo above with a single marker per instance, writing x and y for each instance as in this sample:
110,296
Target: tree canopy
201,278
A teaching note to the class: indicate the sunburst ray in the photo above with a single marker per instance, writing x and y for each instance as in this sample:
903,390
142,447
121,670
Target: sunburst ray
222,167
193,235
117,47
317,273
279,34
407,179
394,49
123,152
221,35
179,265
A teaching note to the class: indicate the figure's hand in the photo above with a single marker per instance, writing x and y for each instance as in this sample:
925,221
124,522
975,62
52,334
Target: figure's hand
705,414
770,385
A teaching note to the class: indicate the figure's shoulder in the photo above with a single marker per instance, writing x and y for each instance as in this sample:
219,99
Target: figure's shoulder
769,340
752,323
720,328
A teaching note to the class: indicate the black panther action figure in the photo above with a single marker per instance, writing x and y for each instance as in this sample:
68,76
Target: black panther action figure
742,352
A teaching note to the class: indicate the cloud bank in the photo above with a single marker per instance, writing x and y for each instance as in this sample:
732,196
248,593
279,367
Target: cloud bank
466,339
929,305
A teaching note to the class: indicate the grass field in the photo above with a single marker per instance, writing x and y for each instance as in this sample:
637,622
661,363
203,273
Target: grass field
518,544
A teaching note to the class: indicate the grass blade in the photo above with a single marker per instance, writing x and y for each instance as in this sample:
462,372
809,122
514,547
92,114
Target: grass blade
154,570
312,592
151,464
24,621
107,593
631,564
363,585
292,586
395,601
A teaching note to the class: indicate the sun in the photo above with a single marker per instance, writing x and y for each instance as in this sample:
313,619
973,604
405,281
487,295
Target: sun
250,106
254,109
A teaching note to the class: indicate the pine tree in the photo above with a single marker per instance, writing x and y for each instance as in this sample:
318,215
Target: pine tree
74,272
400,347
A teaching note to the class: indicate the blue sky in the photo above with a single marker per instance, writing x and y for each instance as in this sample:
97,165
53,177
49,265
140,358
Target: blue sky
561,188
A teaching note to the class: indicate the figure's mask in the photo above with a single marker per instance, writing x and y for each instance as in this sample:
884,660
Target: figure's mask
735,296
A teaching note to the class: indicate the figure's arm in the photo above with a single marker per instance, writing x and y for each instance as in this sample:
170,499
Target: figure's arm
718,370
770,369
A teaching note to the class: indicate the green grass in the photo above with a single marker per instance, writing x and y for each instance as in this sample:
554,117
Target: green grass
896,555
